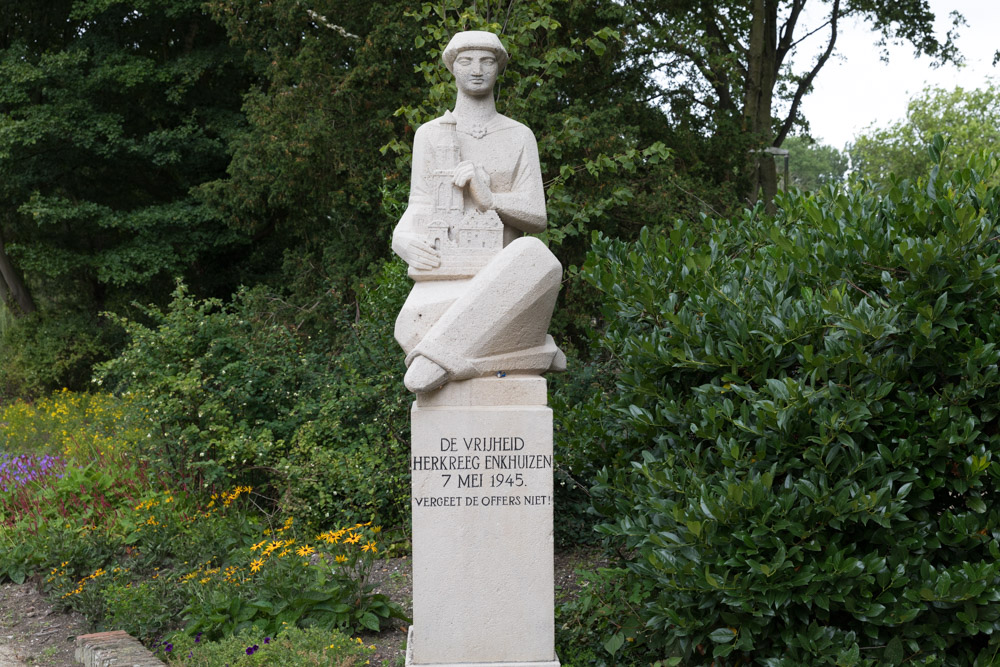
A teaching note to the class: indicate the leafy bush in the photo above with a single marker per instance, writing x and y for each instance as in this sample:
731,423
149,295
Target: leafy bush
236,393
41,353
601,625
351,461
816,396
292,648
213,387
279,581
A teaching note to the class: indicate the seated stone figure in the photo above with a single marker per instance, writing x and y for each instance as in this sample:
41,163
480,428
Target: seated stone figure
483,293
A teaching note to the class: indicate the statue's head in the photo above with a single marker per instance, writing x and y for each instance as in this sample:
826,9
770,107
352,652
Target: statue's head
474,40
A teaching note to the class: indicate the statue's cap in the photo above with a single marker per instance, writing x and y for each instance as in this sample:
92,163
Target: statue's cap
474,39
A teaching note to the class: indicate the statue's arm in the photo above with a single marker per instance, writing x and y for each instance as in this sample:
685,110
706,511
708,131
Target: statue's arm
415,251
524,206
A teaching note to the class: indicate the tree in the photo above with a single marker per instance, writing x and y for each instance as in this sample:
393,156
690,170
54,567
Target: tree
813,165
110,113
970,119
735,59
307,179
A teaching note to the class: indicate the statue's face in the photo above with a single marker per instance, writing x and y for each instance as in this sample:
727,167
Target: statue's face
475,72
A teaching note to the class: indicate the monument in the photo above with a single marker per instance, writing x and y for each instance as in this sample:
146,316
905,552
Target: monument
474,330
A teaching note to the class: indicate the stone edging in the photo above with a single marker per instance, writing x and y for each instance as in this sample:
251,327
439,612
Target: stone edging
116,648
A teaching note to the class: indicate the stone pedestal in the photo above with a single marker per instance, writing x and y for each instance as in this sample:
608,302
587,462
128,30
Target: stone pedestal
481,464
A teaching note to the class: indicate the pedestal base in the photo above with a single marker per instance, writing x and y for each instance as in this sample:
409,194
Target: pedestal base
481,474
410,663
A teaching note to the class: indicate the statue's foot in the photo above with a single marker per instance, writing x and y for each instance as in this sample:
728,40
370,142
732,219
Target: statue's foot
424,375
558,364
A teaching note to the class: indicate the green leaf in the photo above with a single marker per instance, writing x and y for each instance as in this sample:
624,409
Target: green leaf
370,621
894,651
722,635
614,643
597,46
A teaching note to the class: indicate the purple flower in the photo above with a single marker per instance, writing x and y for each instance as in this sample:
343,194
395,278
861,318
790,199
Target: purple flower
170,647
197,638
253,649
267,640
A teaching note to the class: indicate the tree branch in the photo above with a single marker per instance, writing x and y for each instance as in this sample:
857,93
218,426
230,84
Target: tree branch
787,30
806,83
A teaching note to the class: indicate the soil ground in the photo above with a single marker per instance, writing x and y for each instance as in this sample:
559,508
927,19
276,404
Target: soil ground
33,633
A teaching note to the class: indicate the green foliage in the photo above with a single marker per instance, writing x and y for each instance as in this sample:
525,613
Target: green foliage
112,113
45,351
969,118
602,624
585,438
306,175
293,647
73,425
224,393
815,396
351,462
811,165
729,67
142,609
278,582
217,389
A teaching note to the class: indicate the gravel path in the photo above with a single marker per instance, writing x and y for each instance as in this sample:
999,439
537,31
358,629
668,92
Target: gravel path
31,632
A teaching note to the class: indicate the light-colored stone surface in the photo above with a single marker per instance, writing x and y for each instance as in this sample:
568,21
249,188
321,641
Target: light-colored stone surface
409,660
493,391
113,649
483,295
9,657
482,535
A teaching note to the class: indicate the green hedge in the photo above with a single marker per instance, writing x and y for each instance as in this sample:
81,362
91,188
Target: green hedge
816,394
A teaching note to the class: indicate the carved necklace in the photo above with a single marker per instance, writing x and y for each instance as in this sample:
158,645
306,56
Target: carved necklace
476,130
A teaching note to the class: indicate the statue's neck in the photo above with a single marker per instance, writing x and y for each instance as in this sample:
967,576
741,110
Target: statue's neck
469,109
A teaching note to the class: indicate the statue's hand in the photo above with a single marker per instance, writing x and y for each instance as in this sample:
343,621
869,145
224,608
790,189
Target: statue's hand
466,173
420,254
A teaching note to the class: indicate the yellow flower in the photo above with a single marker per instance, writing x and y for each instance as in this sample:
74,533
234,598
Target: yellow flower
258,545
341,558
256,565
370,547
353,539
376,529
305,550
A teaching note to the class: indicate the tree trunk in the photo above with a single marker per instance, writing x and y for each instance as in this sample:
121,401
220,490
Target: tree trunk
13,291
761,78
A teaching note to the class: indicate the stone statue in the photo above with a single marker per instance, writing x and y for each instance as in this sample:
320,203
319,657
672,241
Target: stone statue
483,293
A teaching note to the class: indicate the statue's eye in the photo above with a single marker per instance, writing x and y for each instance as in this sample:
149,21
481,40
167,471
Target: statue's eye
464,61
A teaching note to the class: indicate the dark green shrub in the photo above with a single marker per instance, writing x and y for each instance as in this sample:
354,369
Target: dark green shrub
218,389
586,440
817,396
239,392
43,352
351,462
601,624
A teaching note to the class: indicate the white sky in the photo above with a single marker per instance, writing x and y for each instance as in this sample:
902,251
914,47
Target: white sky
857,89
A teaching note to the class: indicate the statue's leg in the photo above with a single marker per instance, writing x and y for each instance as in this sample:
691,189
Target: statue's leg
500,323
427,302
